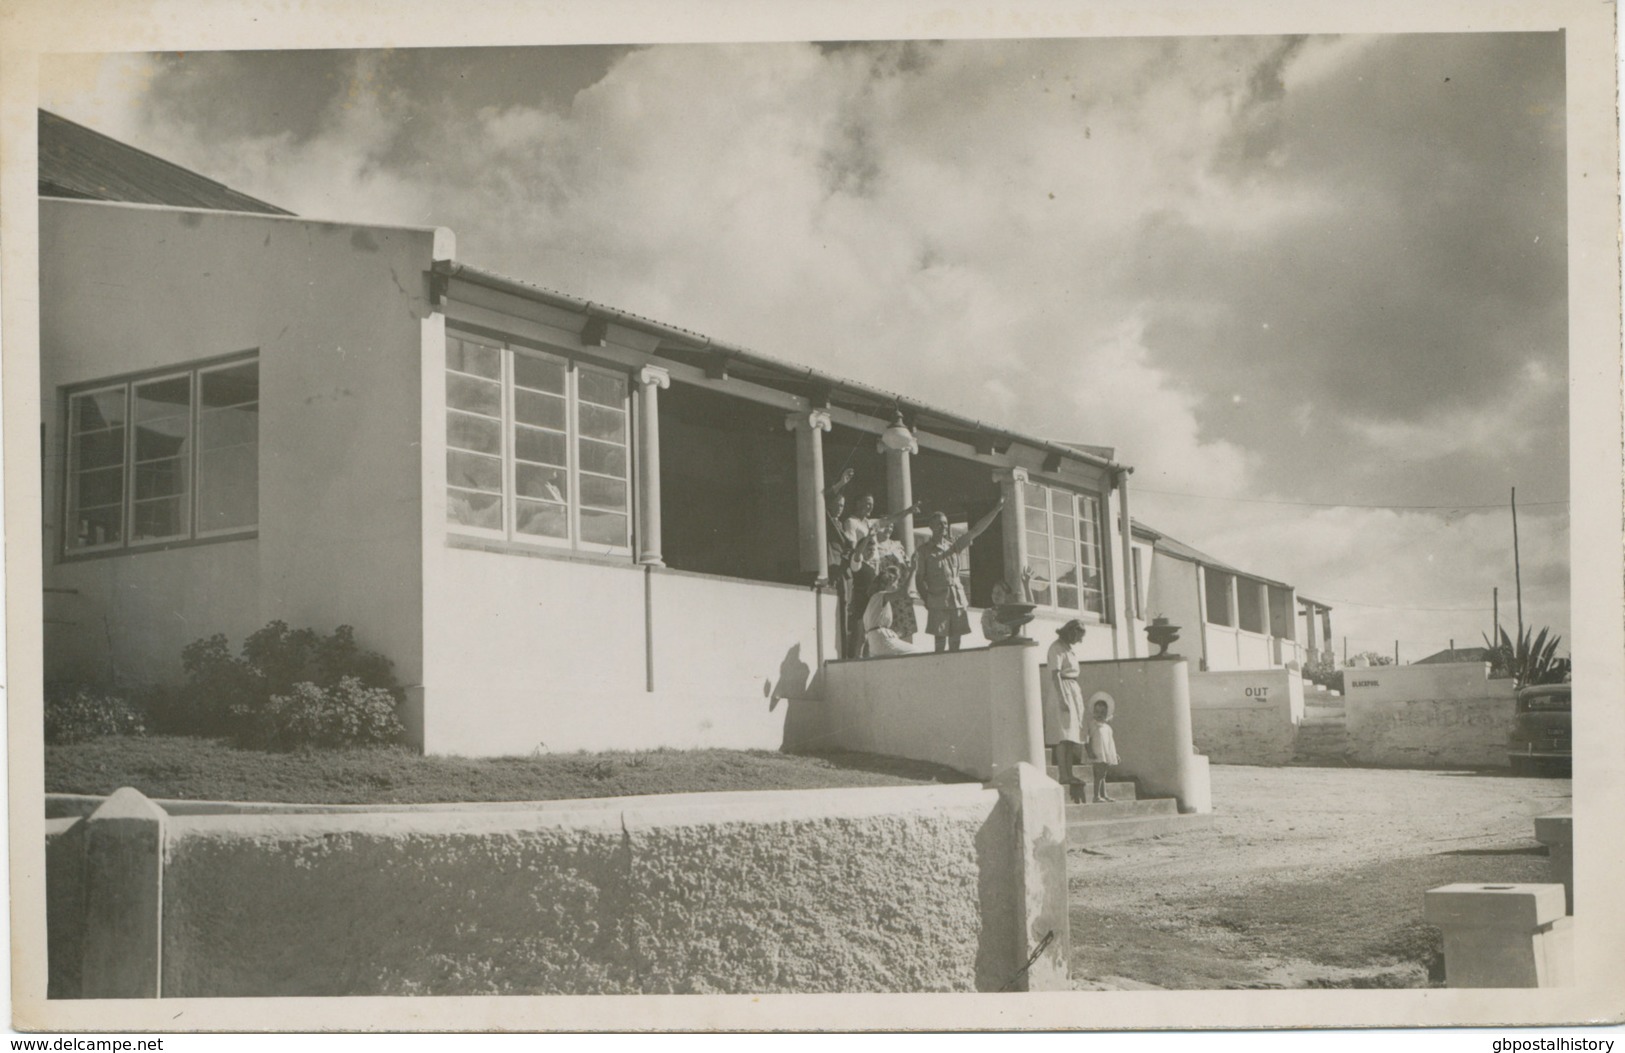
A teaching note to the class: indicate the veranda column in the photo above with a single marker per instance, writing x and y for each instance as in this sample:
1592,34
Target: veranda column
900,483
813,532
650,380
1312,647
1131,595
1013,522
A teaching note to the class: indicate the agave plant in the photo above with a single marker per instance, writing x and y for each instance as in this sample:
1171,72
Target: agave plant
1533,661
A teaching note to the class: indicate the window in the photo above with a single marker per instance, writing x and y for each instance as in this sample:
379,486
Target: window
1250,605
1217,585
1064,549
166,458
537,448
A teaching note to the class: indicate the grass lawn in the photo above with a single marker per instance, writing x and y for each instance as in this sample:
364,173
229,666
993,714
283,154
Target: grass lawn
204,769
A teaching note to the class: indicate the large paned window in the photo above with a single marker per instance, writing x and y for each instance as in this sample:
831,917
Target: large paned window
1217,585
1065,549
165,458
537,448
1250,605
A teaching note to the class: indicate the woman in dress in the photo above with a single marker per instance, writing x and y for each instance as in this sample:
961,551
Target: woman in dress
888,552
1063,668
877,616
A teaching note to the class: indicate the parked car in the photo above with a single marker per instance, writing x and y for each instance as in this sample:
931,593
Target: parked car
1541,738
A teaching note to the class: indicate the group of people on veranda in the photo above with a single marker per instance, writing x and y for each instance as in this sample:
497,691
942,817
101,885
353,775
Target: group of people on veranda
872,571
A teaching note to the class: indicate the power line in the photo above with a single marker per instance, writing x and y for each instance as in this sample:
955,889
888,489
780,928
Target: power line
1334,504
1390,607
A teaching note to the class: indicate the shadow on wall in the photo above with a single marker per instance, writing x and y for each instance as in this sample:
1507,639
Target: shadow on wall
796,680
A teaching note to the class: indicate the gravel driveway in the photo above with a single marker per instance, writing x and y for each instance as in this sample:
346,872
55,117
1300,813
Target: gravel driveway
1308,877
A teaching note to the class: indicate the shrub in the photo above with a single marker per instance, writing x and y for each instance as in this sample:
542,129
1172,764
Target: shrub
259,696
77,712
348,713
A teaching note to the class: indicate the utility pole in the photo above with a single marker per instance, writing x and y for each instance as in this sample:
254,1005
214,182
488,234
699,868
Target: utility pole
1345,650
1396,652
1495,629
1517,567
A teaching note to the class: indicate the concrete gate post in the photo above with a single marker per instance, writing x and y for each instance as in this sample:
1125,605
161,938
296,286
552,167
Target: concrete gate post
1556,832
1503,935
124,868
1042,940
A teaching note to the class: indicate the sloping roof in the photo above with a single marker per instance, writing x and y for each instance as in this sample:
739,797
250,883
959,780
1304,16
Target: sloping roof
1161,542
76,162
727,360
1459,654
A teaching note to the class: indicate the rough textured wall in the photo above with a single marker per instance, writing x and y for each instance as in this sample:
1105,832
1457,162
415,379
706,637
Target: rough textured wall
1430,733
1248,717
64,906
878,893
1251,735
1428,715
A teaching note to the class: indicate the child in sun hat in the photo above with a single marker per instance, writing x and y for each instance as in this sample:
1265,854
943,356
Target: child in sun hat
1102,743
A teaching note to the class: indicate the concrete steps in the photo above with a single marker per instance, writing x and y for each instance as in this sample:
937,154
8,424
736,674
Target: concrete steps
1085,826
1125,817
1322,739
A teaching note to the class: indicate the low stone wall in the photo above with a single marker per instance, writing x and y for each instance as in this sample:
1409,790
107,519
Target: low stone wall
1428,716
977,711
951,888
1248,716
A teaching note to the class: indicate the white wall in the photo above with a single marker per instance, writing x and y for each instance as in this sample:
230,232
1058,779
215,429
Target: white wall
1247,717
977,711
1428,715
528,653
1152,727
337,313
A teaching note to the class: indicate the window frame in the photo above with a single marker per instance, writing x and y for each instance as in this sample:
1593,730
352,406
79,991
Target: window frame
1079,501
573,543
127,384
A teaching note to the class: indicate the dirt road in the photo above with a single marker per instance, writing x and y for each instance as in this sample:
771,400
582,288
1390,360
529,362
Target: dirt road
1308,877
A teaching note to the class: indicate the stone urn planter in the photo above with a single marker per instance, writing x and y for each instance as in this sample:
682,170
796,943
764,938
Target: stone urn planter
1160,633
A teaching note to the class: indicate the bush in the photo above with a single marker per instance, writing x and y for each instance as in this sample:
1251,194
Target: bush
348,713
268,694
77,712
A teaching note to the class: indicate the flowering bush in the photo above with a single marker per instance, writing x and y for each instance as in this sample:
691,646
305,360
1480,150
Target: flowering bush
349,713
74,713
286,688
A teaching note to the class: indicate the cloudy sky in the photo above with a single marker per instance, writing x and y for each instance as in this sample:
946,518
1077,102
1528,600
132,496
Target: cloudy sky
1313,289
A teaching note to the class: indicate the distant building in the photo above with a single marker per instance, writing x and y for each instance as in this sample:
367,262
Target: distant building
1456,654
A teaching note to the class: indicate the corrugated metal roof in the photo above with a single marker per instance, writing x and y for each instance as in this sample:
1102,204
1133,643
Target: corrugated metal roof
77,162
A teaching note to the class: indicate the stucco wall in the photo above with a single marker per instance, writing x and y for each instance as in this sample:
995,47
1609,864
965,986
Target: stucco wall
1428,715
336,312
526,652
977,711
1172,594
875,889
1247,717
1151,725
